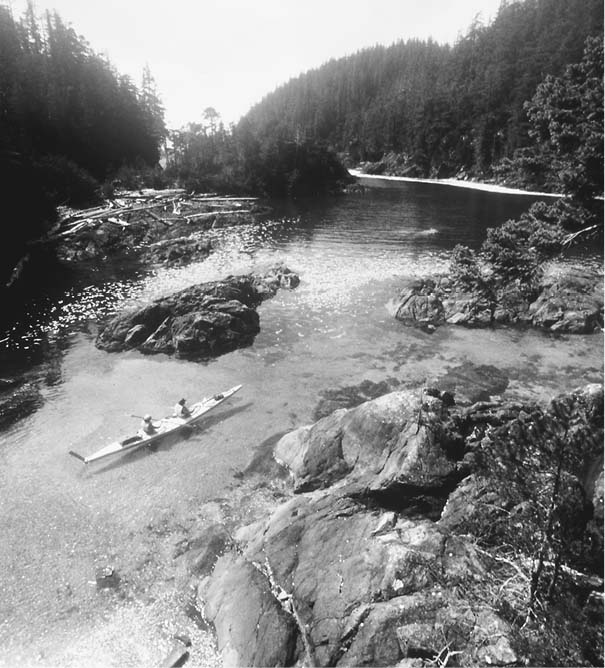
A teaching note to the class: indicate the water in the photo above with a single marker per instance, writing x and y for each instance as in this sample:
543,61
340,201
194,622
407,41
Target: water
61,520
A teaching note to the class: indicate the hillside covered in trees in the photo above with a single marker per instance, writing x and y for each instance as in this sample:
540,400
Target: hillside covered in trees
440,109
68,121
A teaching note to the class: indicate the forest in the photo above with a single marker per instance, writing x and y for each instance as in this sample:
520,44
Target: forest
72,127
439,110
68,121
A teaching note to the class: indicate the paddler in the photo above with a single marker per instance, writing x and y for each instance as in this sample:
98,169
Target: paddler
147,425
181,410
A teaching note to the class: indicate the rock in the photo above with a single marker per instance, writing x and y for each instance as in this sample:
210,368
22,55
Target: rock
394,445
420,303
252,628
345,575
348,397
203,320
107,578
572,303
363,598
473,309
470,382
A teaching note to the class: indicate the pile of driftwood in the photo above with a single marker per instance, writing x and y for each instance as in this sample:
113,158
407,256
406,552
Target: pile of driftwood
163,206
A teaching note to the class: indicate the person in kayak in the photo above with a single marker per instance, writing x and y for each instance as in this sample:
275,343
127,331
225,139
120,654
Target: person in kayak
180,410
147,426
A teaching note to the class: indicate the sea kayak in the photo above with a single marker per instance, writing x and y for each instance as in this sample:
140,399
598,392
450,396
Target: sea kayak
164,426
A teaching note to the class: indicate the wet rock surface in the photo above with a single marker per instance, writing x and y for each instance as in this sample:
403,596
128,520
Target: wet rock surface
203,320
571,303
364,570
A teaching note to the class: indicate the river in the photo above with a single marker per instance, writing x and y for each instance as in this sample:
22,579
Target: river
60,520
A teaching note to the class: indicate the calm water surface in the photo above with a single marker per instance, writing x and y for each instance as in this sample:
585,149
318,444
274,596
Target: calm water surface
60,520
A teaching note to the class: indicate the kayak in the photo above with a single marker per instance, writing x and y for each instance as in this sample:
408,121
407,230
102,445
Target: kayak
164,426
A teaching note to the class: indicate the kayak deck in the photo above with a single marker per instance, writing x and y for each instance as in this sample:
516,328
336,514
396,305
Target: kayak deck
164,426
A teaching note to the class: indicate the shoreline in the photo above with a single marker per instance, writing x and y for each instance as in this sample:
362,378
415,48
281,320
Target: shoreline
456,183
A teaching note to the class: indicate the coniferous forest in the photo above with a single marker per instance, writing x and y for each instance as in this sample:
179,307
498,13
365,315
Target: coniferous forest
69,122
441,109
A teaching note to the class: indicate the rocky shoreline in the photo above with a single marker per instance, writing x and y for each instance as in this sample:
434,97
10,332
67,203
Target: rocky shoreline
571,302
390,550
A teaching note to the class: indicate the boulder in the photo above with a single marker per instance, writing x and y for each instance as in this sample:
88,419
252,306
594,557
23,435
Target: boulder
420,303
470,308
203,320
399,444
572,303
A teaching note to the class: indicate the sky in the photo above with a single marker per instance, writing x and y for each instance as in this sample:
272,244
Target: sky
229,54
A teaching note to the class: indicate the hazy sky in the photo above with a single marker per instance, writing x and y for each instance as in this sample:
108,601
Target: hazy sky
228,54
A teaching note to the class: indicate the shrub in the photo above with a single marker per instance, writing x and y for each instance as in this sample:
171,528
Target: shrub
465,268
519,248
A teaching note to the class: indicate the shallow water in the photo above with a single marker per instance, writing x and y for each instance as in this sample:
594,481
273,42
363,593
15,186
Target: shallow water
60,520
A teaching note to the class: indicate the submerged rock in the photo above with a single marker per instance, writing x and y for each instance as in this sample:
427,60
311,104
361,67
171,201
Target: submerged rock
473,382
353,395
18,401
203,320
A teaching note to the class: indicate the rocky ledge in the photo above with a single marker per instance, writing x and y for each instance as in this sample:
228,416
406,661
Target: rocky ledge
203,320
412,540
571,303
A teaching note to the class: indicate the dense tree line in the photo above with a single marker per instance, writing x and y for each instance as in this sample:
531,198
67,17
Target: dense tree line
206,156
440,108
68,120
566,128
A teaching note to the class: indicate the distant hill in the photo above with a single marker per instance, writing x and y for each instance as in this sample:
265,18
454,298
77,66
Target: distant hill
433,109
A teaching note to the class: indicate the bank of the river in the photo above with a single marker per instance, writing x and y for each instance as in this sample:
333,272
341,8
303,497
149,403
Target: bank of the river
457,183
146,514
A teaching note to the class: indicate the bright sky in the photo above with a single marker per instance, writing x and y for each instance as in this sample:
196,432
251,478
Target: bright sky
229,54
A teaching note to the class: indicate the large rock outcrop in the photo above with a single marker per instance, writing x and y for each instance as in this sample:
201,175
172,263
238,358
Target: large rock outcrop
570,303
203,320
363,586
398,445
363,570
